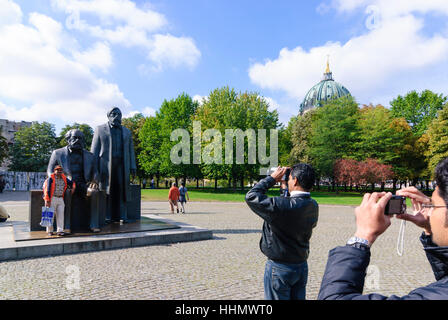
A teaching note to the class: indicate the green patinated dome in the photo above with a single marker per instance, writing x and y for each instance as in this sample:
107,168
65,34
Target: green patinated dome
325,90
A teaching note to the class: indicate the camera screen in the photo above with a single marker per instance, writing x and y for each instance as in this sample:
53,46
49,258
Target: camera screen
395,206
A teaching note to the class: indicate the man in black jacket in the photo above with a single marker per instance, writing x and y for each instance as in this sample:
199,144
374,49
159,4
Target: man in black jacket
346,266
287,229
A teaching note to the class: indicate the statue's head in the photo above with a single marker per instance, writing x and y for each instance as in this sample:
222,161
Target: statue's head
75,139
114,116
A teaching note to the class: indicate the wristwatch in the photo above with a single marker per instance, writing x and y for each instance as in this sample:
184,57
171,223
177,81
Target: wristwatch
359,243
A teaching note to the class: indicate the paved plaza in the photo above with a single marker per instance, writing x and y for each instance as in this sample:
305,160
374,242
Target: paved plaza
229,266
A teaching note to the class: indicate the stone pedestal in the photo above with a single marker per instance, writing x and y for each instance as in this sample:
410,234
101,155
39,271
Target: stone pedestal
37,202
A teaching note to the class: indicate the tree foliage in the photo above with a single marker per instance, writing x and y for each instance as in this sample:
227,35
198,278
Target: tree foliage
32,147
85,128
226,109
334,135
418,109
437,139
361,173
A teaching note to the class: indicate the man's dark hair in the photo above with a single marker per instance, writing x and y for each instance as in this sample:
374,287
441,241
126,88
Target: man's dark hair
305,175
441,177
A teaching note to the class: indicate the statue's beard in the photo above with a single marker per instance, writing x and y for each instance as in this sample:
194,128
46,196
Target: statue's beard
115,122
76,146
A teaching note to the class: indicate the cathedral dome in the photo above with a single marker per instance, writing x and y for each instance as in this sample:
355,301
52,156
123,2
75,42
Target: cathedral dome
327,89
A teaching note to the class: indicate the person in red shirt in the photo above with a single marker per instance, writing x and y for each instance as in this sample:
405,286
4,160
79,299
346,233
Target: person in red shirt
54,190
173,197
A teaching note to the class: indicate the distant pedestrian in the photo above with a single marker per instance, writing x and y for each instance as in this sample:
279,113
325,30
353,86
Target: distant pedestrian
2,184
152,183
173,197
183,196
144,183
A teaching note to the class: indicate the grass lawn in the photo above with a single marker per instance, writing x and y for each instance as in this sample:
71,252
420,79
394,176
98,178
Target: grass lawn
343,198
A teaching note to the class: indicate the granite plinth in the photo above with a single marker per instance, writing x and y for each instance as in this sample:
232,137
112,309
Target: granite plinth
12,250
37,202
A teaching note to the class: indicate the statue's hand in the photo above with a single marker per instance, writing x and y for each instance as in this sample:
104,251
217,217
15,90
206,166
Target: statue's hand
93,186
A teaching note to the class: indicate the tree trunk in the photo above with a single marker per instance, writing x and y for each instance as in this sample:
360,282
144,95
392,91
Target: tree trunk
197,183
382,186
216,183
242,183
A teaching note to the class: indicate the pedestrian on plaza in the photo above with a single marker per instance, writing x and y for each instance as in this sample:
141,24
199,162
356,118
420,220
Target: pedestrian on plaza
54,189
346,265
287,229
144,183
2,184
183,196
152,184
173,197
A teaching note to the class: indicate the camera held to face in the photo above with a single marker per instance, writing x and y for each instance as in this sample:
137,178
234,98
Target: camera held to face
396,205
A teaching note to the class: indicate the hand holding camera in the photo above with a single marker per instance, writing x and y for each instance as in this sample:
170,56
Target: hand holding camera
370,218
281,174
421,215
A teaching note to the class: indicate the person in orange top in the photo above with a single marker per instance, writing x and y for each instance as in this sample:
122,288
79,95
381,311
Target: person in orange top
173,197
54,190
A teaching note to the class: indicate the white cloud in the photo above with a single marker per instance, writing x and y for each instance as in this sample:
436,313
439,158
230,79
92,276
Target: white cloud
199,99
121,22
99,56
174,51
382,58
273,105
53,85
10,13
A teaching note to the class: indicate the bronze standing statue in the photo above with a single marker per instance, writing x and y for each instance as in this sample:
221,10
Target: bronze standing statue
112,145
80,166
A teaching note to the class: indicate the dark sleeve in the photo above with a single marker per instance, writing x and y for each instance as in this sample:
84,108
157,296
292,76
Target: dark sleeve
436,256
345,274
259,202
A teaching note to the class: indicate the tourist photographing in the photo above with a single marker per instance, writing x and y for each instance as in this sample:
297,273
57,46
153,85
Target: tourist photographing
287,229
346,265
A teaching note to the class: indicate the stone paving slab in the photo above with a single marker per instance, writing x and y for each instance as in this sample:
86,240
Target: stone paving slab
228,266
11,249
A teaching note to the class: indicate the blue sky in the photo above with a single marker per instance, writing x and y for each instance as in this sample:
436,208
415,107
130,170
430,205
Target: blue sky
65,61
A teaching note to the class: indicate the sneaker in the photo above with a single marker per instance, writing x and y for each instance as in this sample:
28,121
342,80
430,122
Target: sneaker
177,210
60,234
50,233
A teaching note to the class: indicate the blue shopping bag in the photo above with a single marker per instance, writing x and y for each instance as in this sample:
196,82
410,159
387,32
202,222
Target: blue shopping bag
47,217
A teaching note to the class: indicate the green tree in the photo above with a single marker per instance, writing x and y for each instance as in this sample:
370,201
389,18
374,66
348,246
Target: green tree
301,130
418,109
32,147
150,144
173,114
226,109
4,152
135,124
438,140
85,128
335,134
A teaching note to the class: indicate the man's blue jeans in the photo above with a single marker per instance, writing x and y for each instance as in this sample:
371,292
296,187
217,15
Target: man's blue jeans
284,281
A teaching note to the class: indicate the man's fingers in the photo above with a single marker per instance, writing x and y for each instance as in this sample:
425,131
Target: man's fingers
416,196
365,198
407,217
385,197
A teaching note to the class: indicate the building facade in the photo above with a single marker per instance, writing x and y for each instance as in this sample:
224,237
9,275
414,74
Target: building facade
8,130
